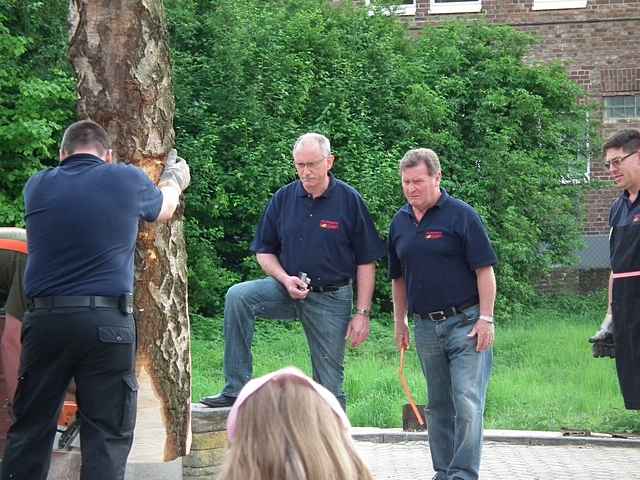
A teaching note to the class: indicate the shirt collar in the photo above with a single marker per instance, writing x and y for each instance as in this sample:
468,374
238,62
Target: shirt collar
81,157
444,197
625,196
301,192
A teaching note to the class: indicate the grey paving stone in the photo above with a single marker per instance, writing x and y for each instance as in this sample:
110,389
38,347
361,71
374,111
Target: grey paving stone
505,461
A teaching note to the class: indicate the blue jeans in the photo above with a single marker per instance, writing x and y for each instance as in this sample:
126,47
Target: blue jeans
457,379
325,318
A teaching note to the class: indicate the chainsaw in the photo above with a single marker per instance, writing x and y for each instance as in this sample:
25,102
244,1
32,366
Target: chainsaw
68,425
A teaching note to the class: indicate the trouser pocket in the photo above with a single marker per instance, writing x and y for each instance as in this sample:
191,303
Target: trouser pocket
129,403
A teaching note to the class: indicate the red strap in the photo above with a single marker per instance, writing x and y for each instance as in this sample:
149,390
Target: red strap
626,274
13,245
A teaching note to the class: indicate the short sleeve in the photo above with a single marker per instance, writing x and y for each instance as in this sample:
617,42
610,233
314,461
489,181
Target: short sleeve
150,197
367,244
478,247
395,267
16,300
267,238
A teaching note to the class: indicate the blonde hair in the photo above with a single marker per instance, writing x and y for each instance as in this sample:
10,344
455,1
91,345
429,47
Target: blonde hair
285,430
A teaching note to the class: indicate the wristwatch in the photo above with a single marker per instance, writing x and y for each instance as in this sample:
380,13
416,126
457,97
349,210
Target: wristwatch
363,311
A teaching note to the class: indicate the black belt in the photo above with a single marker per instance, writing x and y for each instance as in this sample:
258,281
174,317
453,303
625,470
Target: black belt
124,303
445,313
329,287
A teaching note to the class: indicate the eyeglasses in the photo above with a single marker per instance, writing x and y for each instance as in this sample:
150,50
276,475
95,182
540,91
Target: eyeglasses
310,165
615,162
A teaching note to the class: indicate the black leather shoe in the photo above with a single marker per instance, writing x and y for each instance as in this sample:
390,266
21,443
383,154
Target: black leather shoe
218,401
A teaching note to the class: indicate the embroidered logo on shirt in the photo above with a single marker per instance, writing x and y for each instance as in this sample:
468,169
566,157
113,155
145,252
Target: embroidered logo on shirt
433,235
636,218
329,225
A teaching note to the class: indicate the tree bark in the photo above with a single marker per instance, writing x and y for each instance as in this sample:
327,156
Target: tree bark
121,57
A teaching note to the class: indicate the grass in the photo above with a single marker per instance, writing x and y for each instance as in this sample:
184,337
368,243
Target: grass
544,377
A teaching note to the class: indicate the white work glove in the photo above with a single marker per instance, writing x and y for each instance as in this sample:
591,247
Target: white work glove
176,170
605,328
603,342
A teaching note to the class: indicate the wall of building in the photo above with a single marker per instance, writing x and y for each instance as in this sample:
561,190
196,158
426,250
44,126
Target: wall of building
599,46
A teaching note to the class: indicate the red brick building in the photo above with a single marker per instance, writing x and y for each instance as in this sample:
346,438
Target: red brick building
599,42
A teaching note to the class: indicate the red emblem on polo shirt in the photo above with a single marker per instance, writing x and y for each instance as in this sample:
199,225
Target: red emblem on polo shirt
329,225
636,218
433,235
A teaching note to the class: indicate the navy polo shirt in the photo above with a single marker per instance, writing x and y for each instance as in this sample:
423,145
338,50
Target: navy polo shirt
623,213
438,256
82,223
325,237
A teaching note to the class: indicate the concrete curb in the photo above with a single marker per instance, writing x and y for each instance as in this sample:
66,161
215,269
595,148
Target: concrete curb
521,437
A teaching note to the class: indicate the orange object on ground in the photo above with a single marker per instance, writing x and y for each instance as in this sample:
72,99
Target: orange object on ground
405,387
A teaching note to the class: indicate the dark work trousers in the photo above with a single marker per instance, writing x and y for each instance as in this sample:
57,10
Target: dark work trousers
96,347
625,306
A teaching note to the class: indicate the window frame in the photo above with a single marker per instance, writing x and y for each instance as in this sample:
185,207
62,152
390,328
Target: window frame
605,108
462,6
558,4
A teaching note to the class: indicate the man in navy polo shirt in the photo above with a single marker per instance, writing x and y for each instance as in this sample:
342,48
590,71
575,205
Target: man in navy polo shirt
82,223
314,237
441,266
622,154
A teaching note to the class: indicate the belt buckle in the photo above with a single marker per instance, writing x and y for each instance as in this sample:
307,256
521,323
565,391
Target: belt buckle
437,316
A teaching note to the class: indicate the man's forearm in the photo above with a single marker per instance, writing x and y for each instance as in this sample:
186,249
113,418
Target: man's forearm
486,281
10,349
366,278
271,266
399,296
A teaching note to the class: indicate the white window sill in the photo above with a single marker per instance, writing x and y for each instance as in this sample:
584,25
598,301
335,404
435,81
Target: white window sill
393,9
455,7
558,4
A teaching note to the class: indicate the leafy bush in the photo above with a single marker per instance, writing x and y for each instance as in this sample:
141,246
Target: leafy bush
36,96
251,76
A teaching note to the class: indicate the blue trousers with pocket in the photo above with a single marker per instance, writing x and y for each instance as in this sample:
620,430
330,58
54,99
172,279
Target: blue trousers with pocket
96,347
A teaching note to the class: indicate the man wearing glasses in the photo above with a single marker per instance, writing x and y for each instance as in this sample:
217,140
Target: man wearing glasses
622,321
315,237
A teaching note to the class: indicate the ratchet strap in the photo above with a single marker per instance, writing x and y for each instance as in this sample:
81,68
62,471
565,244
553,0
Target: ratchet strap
626,274
405,387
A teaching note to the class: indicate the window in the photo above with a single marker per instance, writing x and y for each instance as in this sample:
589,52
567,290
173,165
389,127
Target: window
454,6
394,7
623,107
558,4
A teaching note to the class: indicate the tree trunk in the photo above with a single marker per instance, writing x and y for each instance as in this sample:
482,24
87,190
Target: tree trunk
120,54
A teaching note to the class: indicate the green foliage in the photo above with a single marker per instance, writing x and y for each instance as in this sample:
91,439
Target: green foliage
251,76
36,96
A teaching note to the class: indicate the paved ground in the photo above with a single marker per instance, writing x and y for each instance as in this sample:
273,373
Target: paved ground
505,460
507,455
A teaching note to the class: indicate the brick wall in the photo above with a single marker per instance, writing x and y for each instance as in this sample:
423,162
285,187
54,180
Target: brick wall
599,46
